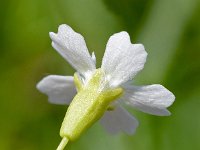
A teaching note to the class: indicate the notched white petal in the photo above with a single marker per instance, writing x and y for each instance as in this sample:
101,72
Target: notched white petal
152,99
119,120
122,59
60,89
71,45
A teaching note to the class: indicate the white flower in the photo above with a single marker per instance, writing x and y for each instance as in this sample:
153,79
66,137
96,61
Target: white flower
121,62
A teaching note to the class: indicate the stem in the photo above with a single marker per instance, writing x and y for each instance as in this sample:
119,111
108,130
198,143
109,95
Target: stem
63,143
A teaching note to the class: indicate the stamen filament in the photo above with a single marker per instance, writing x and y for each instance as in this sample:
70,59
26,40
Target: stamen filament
63,143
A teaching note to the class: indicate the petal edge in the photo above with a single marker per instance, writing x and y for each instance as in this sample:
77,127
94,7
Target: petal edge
119,120
152,99
59,89
122,60
71,45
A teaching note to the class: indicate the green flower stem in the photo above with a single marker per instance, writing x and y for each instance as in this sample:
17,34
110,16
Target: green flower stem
63,143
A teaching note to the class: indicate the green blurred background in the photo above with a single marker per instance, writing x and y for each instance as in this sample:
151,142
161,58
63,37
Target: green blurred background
170,31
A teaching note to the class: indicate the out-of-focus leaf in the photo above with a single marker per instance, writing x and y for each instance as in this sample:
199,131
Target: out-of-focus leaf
184,74
130,12
183,127
161,34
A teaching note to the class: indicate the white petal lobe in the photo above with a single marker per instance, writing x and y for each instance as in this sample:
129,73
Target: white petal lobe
152,99
119,120
60,89
122,59
72,47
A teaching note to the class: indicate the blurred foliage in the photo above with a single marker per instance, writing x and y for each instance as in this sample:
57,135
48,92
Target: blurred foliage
170,31
130,12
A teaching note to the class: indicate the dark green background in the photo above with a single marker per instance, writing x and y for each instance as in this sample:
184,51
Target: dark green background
170,31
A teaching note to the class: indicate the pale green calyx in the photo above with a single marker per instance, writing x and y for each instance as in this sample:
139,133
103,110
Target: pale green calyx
88,105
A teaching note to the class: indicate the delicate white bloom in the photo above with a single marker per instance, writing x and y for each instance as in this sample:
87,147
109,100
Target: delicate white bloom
121,62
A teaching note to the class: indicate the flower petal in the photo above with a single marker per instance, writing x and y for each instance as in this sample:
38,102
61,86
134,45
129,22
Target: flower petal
119,120
122,60
152,99
60,89
72,47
